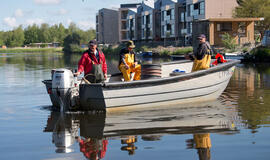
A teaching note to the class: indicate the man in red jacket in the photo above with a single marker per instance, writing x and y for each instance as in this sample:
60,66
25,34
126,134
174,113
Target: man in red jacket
93,64
93,148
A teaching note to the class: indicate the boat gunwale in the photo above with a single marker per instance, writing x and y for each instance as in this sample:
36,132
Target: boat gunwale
166,80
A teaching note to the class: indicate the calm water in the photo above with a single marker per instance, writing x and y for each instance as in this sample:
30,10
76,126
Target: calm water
236,126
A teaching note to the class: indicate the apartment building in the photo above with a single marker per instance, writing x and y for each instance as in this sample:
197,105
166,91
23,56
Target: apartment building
214,18
166,18
146,20
179,22
184,37
125,11
107,26
205,9
132,25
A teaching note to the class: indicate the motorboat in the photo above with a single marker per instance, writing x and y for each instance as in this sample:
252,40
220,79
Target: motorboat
161,84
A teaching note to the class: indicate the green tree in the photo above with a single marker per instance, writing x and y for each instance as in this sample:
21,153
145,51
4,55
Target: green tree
86,36
2,39
31,34
71,42
61,33
44,35
255,8
72,28
15,38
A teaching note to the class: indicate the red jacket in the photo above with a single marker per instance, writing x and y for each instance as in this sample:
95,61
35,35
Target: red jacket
89,148
219,59
85,63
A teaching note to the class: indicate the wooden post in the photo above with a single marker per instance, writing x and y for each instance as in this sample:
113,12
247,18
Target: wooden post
211,33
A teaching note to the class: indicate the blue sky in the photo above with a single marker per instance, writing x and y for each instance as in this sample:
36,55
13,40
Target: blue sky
27,12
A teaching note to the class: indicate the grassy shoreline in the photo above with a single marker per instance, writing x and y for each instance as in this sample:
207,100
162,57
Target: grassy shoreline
31,50
157,51
260,54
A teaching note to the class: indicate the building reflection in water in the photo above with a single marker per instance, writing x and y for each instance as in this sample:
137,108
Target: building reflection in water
248,93
97,129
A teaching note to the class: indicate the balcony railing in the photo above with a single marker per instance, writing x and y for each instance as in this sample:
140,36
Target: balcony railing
183,31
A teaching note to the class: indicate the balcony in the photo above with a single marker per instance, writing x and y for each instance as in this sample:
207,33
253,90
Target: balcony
184,31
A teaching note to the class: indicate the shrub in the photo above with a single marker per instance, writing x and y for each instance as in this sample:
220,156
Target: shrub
181,51
75,48
229,42
261,54
43,45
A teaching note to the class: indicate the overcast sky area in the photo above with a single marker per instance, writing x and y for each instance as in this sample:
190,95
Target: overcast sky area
29,12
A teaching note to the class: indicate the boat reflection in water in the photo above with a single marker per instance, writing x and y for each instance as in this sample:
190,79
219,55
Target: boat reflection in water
65,129
127,126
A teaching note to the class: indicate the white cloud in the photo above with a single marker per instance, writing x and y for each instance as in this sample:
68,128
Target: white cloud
18,13
69,21
47,1
59,12
62,12
10,21
37,21
85,25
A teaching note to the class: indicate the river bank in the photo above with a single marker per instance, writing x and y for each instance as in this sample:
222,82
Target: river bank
259,54
30,50
158,51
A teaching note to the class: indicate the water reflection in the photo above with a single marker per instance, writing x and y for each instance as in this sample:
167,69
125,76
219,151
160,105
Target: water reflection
202,143
93,148
64,129
246,100
248,91
128,143
127,126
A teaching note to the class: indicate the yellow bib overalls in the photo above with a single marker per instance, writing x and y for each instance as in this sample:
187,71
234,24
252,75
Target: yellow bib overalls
129,58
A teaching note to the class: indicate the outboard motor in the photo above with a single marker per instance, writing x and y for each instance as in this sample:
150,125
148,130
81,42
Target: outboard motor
62,86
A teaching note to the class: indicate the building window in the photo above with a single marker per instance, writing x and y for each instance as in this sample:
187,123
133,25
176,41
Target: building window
242,28
168,30
190,10
201,11
172,14
189,27
162,15
163,30
196,9
226,26
183,17
172,29
150,33
147,19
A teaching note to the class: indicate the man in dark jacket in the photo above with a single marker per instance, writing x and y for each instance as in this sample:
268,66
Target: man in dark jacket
202,55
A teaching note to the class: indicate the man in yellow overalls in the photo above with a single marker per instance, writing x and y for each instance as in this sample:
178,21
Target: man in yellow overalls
202,55
203,145
128,63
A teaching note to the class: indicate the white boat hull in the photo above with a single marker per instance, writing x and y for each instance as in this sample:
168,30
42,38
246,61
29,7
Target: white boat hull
192,87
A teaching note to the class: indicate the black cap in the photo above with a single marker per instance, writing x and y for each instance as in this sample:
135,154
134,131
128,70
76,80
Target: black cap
93,42
201,36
